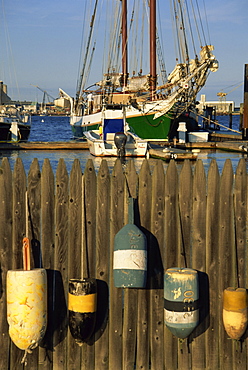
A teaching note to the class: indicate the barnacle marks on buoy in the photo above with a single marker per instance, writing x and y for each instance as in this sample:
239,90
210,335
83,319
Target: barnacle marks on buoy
181,301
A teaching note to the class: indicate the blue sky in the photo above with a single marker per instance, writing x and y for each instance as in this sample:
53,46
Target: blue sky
44,39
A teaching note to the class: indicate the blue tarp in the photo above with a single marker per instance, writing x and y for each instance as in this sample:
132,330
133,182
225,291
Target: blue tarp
112,126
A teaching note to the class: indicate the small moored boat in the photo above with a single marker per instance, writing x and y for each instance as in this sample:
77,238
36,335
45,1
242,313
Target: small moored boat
117,144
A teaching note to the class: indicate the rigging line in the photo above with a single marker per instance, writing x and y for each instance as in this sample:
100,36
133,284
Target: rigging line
142,39
207,21
184,41
196,23
9,50
190,28
177,31
114,37
87,73
200,18
87,50
161,51
174,30
81,48
135,40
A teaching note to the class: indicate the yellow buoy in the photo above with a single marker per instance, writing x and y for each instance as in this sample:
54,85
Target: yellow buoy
235,312
27,304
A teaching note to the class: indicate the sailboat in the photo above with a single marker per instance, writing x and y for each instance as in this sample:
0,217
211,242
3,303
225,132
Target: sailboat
15,125
153,103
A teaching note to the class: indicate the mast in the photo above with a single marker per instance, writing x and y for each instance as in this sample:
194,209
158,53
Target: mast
124,41
153,72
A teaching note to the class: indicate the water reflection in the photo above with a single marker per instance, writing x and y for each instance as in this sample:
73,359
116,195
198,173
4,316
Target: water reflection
69,156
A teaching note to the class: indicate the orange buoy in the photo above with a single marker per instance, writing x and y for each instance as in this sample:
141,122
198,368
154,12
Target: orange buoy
235,312
27,304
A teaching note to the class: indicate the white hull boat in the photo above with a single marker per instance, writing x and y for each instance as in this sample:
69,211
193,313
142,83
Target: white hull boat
117,144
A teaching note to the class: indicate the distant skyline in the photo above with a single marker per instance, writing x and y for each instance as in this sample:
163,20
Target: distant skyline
44,38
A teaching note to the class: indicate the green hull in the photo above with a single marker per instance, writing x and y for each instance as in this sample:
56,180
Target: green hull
148,128
143,126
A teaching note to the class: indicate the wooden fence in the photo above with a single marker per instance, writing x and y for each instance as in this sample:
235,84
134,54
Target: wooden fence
191,219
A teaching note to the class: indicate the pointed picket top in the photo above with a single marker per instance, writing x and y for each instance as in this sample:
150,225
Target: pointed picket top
103,171
132,178
117,169
199,178
213,170
19,169
46,167
227,174
35,167
76,167
5,164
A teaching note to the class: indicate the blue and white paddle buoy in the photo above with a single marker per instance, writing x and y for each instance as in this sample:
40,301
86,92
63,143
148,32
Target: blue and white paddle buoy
181,301
130,255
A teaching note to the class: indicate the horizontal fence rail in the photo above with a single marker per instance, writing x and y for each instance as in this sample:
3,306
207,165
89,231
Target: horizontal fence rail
190,219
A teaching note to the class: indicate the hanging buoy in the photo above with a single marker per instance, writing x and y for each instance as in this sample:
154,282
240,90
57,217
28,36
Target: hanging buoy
27,303
130,255
181,301
82,300
235,312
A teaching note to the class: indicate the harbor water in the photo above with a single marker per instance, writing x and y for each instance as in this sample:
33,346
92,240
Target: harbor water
56,128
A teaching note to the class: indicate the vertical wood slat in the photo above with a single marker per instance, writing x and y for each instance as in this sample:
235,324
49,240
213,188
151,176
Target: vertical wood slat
172,250
212,226
33,217
61,266
74,247
157,268
144,203
5,255
130,295
19,231
48,248
198,248
116,303
240,206
226,257
185,214
89,248
102,267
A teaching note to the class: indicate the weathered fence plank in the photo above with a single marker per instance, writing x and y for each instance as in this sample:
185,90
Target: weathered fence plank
212,226
240,207
33,218
75,250
19,231
227,257
130,295
172,250
5,255
61,266
47,249
102,267
186,216
199,263
144,206
116,303
156,282
89,260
